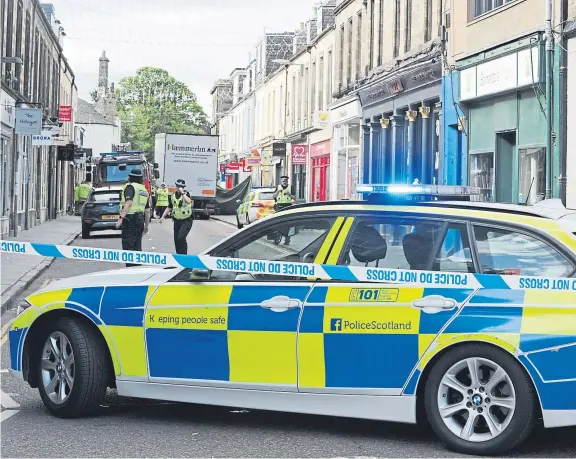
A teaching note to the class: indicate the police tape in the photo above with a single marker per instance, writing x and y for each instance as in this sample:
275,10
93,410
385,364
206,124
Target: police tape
423,279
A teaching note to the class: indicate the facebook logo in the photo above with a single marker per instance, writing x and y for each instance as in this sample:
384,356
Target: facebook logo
335,324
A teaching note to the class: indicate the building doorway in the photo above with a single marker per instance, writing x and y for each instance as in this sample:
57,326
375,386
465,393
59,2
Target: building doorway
505,154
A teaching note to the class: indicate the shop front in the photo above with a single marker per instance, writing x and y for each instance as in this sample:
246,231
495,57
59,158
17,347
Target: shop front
345,156
298,162
506,124
320,165
400,115
7,110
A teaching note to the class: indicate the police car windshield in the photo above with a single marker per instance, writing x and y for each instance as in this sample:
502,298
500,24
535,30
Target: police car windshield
112,173
106,196
266,196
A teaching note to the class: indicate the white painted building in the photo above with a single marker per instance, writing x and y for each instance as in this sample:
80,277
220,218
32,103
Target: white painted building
100,134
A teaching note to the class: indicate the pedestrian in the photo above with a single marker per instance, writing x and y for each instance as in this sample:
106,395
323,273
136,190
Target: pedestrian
180,203
134,213
163,199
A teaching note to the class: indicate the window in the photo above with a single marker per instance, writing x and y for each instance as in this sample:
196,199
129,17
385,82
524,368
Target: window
321,101
350,46
27,66
359,47
455,254
305,94
509,252
289,239
428,21
35,67
408,27
341,59
9,40
105,196
482,171
381,32
313,88
480,7
531,175
396,28
16,82
371,25
329,78
385,242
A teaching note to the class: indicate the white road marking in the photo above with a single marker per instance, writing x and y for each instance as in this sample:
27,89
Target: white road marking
4,370
7,401
7,414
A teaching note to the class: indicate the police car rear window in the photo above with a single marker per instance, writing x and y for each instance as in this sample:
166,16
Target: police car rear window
106,196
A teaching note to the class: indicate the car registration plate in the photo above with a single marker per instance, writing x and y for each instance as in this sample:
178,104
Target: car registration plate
110,217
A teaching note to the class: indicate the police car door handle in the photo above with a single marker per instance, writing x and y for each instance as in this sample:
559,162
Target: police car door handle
280,303
434,302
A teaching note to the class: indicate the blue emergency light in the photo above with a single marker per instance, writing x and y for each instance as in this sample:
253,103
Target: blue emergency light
400,193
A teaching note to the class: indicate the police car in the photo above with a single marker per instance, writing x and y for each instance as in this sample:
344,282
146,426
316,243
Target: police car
445,310
257,204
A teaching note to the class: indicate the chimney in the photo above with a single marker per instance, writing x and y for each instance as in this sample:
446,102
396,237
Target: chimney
103,73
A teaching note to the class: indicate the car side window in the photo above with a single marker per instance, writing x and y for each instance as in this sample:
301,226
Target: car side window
454,254
393,243
508,252
293,240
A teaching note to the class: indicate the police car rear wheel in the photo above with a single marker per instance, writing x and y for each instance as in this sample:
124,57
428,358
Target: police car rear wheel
72,369
479,400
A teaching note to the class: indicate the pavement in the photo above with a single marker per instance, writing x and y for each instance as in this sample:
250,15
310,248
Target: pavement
18,271
145,428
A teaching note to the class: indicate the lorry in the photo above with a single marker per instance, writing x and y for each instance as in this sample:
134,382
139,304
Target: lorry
112,169
193,158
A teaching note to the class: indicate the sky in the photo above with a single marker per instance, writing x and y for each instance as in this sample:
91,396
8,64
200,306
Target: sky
196,41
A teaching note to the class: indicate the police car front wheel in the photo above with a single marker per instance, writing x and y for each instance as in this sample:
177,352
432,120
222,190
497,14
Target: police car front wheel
479,400
72,369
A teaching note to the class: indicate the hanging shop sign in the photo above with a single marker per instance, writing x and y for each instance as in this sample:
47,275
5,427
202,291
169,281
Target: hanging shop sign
254,159
279,149
299,154
44,138
66,152
321,119
505,73
390,87
28,121
234,168
65,113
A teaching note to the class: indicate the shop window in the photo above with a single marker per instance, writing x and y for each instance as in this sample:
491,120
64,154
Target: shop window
482,171
507,252
479,7
531,174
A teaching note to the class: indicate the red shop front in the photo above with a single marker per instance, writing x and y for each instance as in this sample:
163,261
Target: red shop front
320,161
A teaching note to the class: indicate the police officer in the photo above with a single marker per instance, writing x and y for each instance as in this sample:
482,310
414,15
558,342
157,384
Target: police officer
180,203
76,198
83,191
284,198
135,212
163,200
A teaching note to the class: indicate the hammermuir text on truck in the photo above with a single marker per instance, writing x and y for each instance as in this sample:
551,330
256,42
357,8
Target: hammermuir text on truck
195,149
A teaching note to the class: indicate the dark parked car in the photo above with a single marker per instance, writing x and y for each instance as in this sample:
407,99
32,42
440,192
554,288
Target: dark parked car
101,210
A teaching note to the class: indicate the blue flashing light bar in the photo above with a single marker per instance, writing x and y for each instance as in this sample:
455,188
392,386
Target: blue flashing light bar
429,190
400,193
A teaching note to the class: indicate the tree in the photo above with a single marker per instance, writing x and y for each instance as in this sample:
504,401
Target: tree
152,102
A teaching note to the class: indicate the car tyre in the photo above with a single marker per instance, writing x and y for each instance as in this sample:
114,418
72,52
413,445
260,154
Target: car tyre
85,231
516,425
84,380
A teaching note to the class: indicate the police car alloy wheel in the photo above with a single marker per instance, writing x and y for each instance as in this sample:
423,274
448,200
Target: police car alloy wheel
479,400
73,368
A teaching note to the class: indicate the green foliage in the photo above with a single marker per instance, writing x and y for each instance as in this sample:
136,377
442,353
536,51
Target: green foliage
153,102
